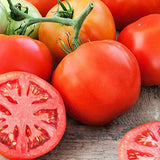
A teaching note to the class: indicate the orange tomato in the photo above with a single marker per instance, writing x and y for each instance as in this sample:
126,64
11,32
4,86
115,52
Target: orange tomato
99,25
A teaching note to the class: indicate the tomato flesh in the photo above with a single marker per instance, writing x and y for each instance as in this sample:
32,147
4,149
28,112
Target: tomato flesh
32,116
141,143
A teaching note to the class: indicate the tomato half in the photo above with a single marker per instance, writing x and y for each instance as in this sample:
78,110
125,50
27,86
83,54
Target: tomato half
142,38
32,116
21,53
142,142
32,30
128,11
43,5
98,25
98,82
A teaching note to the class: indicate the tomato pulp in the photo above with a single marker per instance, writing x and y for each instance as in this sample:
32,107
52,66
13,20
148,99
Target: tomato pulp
142,142
32,116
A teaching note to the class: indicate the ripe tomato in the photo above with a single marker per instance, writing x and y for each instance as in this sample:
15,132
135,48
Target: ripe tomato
43,5
3,19
142,38
32,11
32,116
99,25
98,82
128,11
21,53
142,142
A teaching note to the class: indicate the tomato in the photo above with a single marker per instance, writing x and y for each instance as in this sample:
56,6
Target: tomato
21,53
32,30
32,116
3,19
128,11
98,82
99,25
142,38
43,5
142,142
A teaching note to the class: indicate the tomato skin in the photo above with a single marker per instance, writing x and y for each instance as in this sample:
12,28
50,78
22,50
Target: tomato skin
95,26
32,11
142,38
94,79
36,123
141,142
126,12
43,5
21,53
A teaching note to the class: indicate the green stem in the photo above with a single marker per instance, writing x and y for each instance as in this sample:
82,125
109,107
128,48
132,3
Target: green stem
78,22
75,23
16,11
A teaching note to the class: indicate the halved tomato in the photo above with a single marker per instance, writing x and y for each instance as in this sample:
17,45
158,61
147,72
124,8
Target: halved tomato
141,143
32,116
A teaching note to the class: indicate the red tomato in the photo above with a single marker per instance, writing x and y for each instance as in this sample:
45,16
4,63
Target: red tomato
142,142
142,38
98,82
99,25
128,11
43,5
21,53
32,116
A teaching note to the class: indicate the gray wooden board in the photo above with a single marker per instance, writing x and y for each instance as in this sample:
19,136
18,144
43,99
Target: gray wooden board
82,142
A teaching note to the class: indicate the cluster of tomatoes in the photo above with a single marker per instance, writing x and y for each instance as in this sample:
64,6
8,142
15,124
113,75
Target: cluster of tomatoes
95,84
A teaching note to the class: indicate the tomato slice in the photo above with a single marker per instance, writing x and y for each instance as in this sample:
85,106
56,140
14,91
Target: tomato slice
141,143
32,116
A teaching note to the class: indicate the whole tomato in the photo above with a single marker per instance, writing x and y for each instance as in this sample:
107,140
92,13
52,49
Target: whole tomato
98,82
21,53
98,25
43,5
142,38
128,11
3,19
15,23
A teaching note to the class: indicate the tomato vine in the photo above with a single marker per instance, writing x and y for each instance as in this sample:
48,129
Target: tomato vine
57,18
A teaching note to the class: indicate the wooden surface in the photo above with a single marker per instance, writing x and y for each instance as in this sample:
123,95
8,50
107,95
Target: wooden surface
81,142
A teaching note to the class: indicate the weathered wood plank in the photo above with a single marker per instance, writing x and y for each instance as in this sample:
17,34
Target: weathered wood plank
82,142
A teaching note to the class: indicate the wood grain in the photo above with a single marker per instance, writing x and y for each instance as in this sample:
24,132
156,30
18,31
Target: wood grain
82,142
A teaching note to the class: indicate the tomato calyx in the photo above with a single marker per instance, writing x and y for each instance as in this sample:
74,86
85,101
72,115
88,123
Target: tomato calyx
66,13
19,17
64,17
18,12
